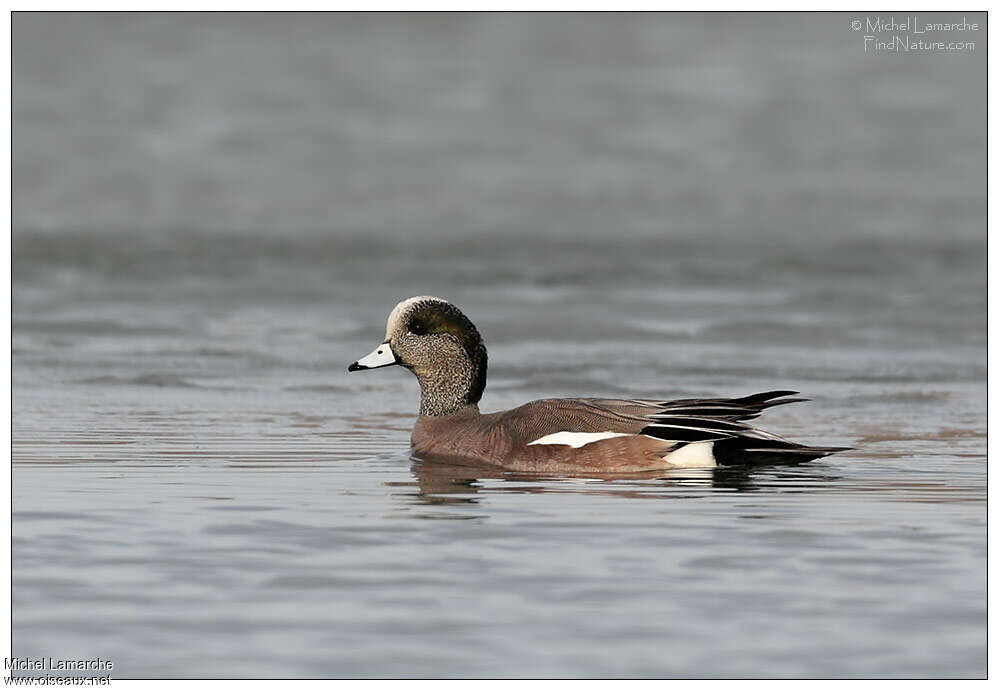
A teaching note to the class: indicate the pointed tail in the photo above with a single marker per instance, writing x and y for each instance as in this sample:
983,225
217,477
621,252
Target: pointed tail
749,451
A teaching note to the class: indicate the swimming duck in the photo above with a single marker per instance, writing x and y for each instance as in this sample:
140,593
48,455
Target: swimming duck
436,341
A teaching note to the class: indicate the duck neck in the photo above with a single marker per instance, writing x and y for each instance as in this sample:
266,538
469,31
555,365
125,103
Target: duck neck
431,409
447,391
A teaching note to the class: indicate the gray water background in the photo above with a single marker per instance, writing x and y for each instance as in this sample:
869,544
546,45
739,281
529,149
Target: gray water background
213,215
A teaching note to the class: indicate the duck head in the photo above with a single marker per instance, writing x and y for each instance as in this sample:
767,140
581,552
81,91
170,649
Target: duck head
435,341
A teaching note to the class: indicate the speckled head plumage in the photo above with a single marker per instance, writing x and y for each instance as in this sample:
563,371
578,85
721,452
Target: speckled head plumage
440,345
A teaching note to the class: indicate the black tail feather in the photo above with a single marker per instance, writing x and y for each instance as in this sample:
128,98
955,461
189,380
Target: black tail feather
756,398
771,404
744,408
748,451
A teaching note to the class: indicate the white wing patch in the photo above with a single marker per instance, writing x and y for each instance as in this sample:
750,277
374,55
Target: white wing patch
577,439
696,455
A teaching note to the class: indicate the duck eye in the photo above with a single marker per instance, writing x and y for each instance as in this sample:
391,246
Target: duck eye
418,327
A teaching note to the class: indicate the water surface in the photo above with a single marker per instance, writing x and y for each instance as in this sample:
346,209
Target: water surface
214,217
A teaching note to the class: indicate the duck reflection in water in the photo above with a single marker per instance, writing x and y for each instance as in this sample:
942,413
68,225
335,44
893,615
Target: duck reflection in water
441,481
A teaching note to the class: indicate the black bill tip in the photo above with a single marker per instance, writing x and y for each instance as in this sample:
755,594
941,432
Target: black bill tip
354,367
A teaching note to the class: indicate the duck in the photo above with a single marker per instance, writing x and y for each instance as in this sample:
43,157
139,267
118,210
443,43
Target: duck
441,346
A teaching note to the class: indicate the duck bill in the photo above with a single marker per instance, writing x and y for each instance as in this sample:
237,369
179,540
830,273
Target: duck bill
382,356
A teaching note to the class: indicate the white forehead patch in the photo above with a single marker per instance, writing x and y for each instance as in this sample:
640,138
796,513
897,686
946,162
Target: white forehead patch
576,439
396,314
